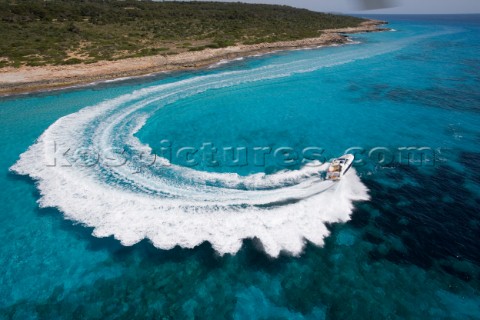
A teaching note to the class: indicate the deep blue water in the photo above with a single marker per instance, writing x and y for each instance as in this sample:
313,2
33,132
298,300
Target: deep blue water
411,251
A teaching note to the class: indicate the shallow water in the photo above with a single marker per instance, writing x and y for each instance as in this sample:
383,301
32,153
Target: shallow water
255,240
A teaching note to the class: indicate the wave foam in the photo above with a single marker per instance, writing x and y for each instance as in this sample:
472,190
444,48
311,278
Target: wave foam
173,205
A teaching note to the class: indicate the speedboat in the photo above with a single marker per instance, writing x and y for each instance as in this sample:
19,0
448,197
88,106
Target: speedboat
339,167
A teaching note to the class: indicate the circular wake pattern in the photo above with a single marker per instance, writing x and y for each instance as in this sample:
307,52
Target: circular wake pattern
173,205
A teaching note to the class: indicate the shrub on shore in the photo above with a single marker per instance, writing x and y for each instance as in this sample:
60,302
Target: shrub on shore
38,32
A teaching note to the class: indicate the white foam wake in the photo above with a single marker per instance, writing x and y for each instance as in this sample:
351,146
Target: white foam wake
173,205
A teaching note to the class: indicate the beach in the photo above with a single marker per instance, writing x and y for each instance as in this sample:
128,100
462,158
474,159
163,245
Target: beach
32,79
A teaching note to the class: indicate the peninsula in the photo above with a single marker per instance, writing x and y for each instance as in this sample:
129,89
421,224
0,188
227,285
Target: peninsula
55,44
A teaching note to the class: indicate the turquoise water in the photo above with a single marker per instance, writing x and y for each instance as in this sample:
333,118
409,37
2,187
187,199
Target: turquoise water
224,241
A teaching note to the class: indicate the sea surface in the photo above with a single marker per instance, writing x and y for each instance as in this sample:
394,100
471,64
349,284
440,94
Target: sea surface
202,194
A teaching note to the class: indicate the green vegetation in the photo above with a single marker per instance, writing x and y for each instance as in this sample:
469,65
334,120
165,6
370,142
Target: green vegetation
40,32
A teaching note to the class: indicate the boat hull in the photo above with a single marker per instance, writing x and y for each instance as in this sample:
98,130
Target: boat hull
339,167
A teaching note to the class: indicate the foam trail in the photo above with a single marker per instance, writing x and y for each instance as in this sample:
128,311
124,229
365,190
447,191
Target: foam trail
173,205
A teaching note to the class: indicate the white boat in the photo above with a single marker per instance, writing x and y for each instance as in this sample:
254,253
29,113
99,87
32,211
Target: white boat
339,167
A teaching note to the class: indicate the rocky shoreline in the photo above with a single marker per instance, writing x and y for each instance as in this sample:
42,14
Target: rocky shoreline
33,79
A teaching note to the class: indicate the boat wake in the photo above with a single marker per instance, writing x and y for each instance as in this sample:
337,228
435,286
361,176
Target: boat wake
172,205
